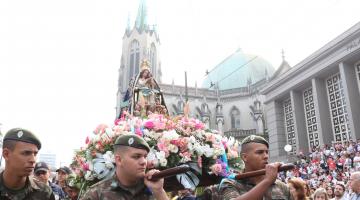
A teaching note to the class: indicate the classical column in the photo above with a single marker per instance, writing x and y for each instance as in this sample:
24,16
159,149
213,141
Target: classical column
276,130
351,92
322,111
299,119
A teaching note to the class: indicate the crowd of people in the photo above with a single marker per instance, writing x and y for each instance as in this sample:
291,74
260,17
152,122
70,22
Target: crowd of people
326,169
330,172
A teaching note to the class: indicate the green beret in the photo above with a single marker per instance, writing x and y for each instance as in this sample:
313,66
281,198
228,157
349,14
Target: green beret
22,135
255,139
132,140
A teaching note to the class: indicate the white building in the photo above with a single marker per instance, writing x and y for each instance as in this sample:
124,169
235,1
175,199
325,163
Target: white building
48,158
317,101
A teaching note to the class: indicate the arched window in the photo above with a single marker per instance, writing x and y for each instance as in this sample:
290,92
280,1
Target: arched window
134,58
153,58
235,118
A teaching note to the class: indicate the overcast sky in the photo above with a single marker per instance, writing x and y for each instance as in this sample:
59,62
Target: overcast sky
59,60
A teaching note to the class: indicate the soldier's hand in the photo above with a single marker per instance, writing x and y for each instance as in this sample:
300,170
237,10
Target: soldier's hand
153,185
271,171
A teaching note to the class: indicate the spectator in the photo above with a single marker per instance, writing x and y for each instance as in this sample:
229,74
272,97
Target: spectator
62,175
297,188
355,185
330,192
339,192
42,173
320,194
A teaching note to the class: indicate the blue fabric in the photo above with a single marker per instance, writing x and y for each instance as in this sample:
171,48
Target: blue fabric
57,190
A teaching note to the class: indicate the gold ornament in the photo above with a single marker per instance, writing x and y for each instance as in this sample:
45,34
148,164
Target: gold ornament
145,65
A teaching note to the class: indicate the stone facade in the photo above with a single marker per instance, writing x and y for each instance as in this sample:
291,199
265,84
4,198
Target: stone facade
317,101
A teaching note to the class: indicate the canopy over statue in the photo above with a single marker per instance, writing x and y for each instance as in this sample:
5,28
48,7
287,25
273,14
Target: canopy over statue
144,96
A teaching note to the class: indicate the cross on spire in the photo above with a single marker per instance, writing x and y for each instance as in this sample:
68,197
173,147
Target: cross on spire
283,54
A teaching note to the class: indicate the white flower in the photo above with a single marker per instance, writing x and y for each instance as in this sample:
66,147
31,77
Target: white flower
199,149
173,148
170,135
151,155
230,142
208,151
163,162
89,176
160,155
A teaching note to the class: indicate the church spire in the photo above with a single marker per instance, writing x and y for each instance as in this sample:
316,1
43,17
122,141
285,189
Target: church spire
141,19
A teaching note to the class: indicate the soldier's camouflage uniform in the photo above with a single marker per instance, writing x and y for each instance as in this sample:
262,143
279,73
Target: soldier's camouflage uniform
231,189
112,189
33,190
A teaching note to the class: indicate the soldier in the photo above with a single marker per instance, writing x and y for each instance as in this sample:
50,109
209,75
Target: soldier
255,154
20,148
130,180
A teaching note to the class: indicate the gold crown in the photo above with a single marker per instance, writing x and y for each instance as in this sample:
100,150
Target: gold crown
145,65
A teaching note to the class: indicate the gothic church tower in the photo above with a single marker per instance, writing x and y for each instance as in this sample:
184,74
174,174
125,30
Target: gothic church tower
139,43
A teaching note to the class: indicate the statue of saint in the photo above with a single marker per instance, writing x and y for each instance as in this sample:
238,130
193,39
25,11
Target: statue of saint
146,93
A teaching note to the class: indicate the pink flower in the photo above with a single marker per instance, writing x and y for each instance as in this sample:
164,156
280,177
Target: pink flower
117,121
162,147
216,169
210,138
87,140
199,125
100,129
186,156
85,166
182,143
159,125
149,124
138,132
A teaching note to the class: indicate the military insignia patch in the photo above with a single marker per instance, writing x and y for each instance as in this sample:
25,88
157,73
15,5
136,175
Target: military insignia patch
131,141
20,134
252,137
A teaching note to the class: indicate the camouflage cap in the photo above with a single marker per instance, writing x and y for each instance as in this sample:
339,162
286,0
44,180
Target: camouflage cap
255,139
132,140
22,135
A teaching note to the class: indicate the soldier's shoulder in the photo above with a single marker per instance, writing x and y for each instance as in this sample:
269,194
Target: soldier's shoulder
40,186
230,185
281,185
282,189
40,191
102,184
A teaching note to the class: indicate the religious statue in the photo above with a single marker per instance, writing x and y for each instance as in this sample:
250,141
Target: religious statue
146,97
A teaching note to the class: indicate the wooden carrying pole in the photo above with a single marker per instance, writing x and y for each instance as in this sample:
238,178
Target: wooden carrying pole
170,172
260,172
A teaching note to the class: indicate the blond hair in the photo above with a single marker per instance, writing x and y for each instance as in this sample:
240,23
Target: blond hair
321,191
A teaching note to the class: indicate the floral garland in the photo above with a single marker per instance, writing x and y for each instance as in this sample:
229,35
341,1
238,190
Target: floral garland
173,141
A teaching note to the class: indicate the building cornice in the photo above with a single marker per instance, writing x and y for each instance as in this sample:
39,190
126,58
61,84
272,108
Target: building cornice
337,49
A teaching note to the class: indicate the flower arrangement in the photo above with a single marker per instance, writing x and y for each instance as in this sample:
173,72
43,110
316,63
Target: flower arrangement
173,141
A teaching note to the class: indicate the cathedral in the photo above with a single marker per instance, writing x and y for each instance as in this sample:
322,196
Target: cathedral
228,100
314,103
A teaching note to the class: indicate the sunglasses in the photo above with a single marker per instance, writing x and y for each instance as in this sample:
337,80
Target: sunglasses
40,173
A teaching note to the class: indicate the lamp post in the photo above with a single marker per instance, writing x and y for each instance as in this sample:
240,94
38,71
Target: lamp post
288,148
